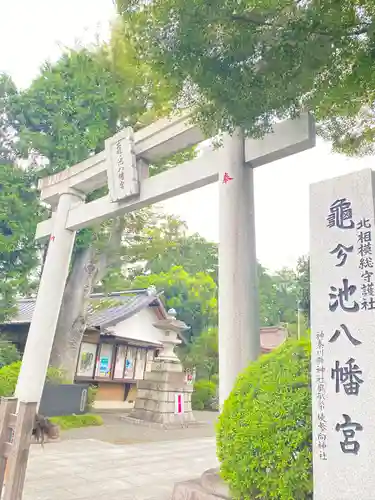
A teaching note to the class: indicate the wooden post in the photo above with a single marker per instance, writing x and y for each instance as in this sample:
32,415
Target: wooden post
8,408
19,452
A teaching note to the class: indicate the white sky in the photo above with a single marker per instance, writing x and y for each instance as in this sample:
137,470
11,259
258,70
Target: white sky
33,31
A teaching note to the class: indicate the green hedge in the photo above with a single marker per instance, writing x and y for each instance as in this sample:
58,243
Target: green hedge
75,421
9,376
264,436
203,395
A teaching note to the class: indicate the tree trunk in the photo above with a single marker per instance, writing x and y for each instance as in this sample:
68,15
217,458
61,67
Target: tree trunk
88,268
72,318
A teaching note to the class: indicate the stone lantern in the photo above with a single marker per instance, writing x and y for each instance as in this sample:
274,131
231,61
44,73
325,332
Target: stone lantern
171,327
164,396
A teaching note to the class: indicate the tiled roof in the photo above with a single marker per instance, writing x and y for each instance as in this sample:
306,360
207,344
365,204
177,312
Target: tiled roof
125,304
122,305
25,311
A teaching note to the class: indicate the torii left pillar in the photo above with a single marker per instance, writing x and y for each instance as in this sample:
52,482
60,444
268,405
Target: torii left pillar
48,303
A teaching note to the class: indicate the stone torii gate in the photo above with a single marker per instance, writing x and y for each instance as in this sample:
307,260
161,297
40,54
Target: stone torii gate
122,165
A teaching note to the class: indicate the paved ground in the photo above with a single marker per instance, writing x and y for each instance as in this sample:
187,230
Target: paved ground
117,431
128,462
76,469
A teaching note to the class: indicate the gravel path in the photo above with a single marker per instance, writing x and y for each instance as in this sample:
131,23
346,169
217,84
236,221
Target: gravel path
117,431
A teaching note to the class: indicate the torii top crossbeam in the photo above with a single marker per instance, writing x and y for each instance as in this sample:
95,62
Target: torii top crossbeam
159,140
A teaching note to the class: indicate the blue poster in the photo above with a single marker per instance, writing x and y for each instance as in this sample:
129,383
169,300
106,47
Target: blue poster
104,365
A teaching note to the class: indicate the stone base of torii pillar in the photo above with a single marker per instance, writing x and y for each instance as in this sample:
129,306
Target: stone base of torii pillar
209,486
164,396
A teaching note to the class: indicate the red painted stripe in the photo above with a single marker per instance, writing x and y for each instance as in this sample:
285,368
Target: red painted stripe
179,402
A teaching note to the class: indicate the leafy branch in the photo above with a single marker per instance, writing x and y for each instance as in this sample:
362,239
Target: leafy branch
259,20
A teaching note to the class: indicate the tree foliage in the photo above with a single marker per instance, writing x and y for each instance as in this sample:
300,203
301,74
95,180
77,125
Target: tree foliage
64,117
79,101
303,277
193,296
278,296
279,292
69,110
7,132
203,397
196,253
203,354
19,214
167,243
145,86
246,63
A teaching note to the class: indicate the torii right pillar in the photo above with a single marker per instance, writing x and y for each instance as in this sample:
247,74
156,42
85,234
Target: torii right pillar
239,339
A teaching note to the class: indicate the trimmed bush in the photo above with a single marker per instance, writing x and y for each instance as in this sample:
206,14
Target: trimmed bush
203,395
76,421
264,432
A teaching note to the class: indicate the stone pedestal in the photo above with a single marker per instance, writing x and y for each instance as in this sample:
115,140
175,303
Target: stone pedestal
164,396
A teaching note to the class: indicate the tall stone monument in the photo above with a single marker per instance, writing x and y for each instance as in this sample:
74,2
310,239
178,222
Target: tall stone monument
164,396
343,336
